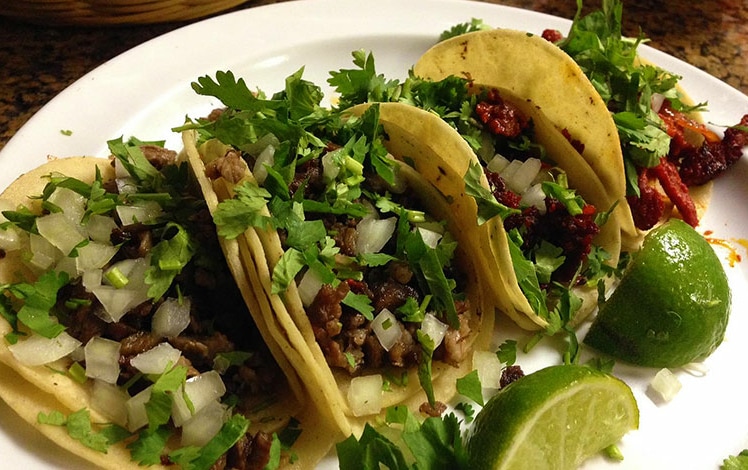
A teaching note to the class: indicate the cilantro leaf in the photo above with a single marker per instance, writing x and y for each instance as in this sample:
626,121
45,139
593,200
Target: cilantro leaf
361,303
234,216
39,301
475,24
470,387
488,206
168,258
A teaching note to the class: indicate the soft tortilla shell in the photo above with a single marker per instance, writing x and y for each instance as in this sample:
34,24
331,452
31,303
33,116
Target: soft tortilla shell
533,68
444,159
43,389
260,253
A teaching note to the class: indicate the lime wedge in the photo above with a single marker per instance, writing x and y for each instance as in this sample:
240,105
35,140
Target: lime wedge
554,418
672,305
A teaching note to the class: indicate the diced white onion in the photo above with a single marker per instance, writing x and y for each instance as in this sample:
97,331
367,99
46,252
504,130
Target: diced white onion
430,237
201,390
117,302
67,264
109,400
534,197
665,384
309,286
434,328
253,149
157,359
202,427
697,369
488,366
135,406
60,231
498,163
37,350
126,185
365,395
171,317
373,234
91,279
386,328
94,255
522,175
264,159
99,228
10,238
43,253
119,169
330,167
146,211
102,359
656,101
73,205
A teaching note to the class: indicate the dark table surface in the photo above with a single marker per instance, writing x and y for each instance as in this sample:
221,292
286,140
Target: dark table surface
37,61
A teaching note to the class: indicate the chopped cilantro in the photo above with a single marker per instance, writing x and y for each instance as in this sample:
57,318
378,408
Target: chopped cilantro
469,386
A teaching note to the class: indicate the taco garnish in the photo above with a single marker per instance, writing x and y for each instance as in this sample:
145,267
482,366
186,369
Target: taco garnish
119,308
668,157
505,139
661,134
346,243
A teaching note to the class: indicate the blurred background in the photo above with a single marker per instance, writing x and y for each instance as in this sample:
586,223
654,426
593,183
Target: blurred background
45,45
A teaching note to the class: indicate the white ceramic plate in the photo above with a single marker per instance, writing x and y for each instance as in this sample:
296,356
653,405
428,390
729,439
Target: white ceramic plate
146,91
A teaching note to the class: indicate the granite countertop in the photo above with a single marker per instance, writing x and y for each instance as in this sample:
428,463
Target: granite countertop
39,61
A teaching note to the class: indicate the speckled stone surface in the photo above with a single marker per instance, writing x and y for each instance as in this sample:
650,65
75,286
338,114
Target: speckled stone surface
39,61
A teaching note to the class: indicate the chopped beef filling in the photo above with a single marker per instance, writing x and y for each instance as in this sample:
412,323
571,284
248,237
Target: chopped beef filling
220,322
345,335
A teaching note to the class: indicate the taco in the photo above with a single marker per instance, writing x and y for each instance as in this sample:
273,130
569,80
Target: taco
549,228
531,67
630,120
127,335
524,215
355,251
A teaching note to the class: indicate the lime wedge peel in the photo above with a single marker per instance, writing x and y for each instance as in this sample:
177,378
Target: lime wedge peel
556,417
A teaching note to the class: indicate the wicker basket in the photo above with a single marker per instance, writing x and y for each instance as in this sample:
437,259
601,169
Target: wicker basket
111,12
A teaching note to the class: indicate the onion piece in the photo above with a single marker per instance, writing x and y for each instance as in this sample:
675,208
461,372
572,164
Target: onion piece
102,359
534,197
655,101
264,159
498,163
522,175
202,427
330,165
171,317
137,417
37,350
430,237
43,253
72,204
109,400
365,395
117,302
58,230
373,234
146,211
94,255
99,228
665,384
488,366
387,329
309,286
157,359
201,390
434,329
